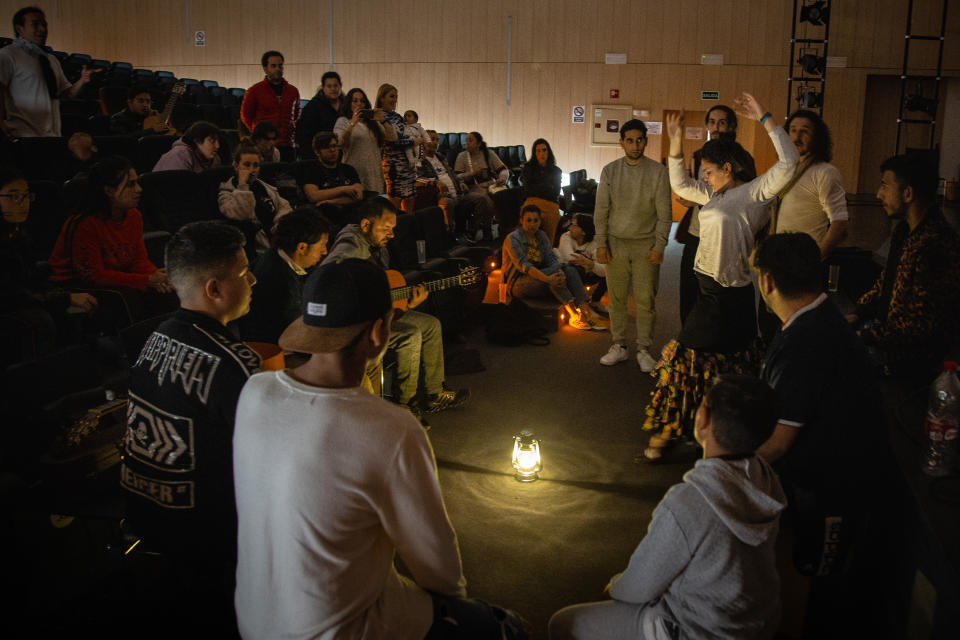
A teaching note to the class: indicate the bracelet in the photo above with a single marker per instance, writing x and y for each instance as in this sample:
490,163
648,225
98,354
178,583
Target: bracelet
763,118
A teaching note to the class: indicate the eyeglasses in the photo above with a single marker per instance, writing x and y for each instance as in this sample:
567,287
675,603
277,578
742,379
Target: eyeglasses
20,198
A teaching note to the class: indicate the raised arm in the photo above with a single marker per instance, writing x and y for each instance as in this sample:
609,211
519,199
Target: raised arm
680,181
779,175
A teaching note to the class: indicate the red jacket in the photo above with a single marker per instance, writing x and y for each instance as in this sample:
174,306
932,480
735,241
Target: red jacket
260,103
102,252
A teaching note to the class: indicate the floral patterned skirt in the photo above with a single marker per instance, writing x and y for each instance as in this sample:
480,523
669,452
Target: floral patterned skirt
683,376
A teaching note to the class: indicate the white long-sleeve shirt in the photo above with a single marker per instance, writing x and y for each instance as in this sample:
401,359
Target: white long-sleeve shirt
729,220
330,483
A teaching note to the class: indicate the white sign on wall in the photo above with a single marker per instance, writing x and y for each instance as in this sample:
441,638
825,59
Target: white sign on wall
199,38
654,128
579,114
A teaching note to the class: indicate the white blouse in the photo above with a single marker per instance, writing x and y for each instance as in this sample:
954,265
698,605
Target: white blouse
730,220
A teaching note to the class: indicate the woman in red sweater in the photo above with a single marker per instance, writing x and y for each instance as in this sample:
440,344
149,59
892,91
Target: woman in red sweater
102,246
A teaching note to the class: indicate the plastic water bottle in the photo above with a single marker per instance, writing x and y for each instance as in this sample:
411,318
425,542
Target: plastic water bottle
943,416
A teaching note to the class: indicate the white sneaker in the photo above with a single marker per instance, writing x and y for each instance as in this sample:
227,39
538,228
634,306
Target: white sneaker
617,353
646,362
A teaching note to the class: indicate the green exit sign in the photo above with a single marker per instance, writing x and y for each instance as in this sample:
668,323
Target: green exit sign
709,95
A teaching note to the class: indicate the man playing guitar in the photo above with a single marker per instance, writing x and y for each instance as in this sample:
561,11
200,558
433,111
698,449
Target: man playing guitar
416,339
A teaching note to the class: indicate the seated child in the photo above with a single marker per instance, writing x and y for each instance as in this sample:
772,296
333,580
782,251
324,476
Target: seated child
706,567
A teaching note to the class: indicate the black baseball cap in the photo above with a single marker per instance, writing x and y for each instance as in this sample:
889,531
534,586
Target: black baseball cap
340,299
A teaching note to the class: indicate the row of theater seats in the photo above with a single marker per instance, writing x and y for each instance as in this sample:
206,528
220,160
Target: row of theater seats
88,117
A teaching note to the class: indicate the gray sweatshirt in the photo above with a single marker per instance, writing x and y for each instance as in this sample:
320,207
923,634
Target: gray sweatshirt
633,203
707,560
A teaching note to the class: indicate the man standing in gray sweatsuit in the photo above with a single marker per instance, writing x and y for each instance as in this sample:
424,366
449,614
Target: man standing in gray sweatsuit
633,218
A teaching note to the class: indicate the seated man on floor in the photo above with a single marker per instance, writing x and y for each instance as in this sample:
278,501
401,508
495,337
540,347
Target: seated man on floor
416,340
706,568
299,242
332,182
333,482
912,313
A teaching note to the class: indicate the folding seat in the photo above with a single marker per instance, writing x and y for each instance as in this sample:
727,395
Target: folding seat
237,92
171,199
149,149
189,81
47,215
38,157
184,115
5,41
113,98
212,179
212,113
122,65
403,246
508,204
60,55
161,74
209,83
116,146
287,178
216,91
98,125
98,63
71,123
85,108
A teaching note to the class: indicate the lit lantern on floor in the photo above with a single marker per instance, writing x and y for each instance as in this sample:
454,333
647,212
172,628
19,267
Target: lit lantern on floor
526,457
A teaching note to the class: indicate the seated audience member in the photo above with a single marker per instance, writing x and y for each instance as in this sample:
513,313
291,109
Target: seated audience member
826,438
320,114
362,134
480,168
434,169
912,313
578,248
706,567
531,270
413,130
102,246
416,339
129,120
31,308
195,151
252,203
330,182
541,186
264,138
299,242
317,541
82,154
178,477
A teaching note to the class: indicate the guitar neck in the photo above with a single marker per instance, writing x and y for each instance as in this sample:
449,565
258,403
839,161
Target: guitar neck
168,108
402,293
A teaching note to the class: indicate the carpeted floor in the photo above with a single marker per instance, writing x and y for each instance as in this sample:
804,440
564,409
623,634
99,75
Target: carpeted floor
536,547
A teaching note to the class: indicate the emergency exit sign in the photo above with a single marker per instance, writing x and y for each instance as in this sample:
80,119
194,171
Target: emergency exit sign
709,95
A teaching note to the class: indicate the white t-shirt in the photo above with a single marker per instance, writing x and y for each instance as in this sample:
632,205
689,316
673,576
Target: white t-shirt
330,483
31,113
442,174
568,246
815,201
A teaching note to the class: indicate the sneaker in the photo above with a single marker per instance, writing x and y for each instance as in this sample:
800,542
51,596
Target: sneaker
446,399
646,362
617,353
581,322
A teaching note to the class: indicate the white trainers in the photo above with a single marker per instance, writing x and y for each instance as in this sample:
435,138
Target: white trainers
617,353
646,362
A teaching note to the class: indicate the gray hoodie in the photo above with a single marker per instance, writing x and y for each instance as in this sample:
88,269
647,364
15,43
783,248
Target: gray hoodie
707,561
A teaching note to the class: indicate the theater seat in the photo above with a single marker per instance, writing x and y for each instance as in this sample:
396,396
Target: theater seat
171,199
47,215
149,149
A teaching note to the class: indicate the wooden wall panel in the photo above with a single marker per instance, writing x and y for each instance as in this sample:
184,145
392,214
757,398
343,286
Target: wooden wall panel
448,57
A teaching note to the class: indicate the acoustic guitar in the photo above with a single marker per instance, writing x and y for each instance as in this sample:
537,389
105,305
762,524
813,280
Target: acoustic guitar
400,291
162,120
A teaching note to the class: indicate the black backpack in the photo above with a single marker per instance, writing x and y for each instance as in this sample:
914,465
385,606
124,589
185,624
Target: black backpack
516,324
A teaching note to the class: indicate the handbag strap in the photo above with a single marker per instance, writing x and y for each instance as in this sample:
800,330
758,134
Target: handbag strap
802,169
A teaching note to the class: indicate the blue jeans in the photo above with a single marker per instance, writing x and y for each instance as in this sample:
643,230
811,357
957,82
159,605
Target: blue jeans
527,287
